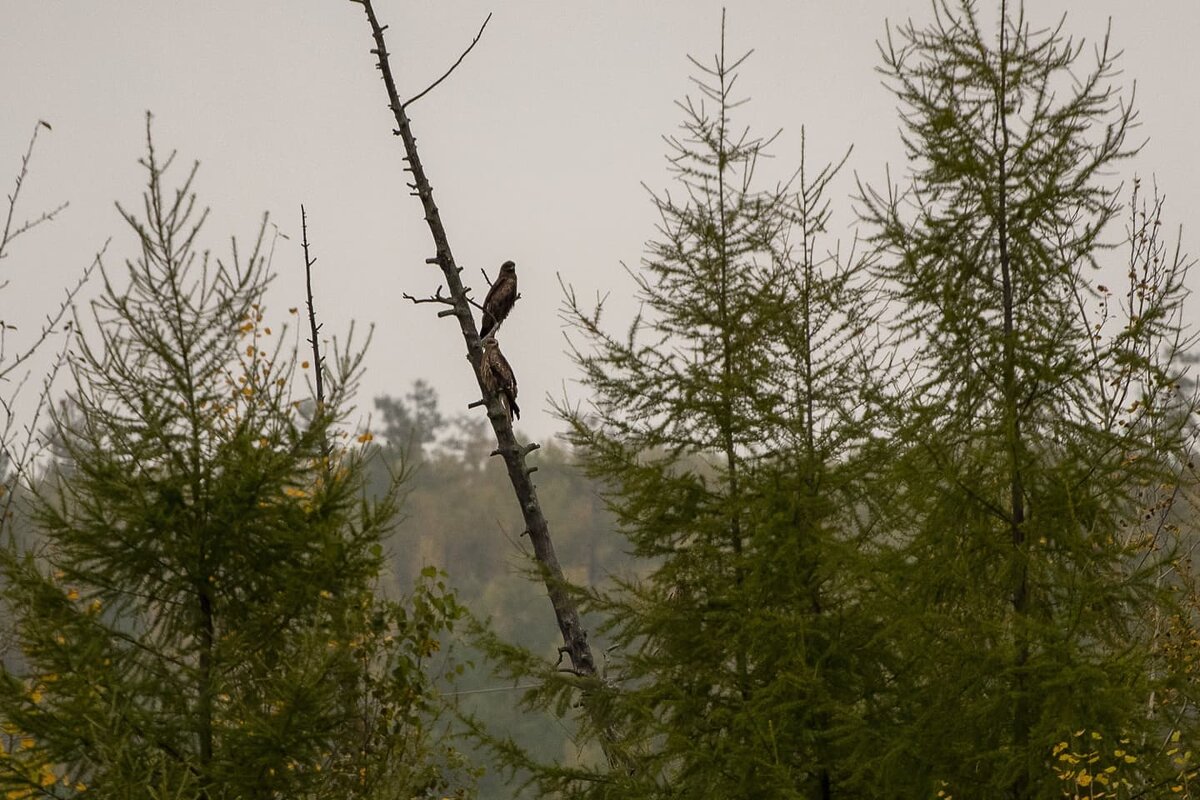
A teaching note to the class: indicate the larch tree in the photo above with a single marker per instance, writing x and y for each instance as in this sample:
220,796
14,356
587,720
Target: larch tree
724,427
201,619
1039,427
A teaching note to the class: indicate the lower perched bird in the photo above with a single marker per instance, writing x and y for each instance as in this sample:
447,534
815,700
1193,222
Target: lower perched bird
499,300
498,377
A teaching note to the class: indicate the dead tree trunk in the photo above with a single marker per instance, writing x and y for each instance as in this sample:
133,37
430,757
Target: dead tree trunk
575,644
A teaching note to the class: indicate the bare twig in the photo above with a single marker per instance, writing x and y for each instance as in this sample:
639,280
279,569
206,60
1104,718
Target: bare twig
49,325
453,67
436,297
18,450
10,233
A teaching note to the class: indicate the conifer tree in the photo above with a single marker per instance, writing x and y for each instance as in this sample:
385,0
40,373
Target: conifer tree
723,428
201,621
1038,421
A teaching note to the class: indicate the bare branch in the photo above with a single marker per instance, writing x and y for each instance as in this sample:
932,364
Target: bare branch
436,297
50,325
10,233
453,67
314,328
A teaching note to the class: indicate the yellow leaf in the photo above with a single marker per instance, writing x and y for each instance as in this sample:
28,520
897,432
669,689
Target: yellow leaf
366,437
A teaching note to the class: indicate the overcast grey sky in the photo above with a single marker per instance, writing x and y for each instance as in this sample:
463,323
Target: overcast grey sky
536,146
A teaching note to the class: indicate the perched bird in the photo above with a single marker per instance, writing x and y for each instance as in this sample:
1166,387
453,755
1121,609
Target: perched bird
500,299
498,377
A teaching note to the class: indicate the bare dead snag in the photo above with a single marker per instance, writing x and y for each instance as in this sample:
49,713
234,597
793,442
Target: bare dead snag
314,329
575,644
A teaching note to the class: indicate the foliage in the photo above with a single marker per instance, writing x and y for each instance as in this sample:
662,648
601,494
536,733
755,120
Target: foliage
915,524
1038,431
201,620
722,429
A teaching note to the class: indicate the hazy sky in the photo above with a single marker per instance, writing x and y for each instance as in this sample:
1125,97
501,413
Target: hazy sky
537,146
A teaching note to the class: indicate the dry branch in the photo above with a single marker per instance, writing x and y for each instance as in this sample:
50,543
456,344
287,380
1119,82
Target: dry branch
575,643
313,327
21,444
453,67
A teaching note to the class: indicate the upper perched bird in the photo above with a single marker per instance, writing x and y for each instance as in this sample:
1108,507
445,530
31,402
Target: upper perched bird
500,299
498,377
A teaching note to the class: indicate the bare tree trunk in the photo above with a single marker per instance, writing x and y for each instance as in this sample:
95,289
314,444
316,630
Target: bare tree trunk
575,644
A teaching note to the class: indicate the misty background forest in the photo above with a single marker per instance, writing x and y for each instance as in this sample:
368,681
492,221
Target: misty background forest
900,510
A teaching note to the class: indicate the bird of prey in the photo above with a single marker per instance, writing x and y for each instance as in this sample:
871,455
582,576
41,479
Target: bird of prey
500,299
498,377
